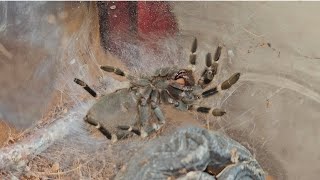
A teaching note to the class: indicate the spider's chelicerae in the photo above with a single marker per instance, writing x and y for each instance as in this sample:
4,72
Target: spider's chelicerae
128,111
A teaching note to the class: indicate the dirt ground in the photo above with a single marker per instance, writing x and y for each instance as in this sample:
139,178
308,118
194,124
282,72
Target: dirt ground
273,111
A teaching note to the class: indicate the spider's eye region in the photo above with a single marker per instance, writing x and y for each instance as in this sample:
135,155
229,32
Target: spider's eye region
180,74
184,77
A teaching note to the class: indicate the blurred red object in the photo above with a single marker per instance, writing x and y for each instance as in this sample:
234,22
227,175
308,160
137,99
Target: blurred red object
124,22
155,18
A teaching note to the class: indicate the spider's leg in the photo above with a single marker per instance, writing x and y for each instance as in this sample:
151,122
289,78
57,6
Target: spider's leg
114,70
134,80
85,86
211,68
144,110
131,129
102,129
223,86
139,82
193,55
206,110
156,109
166,98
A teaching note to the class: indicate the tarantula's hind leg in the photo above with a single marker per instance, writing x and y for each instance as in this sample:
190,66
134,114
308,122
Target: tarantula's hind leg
102,129
223,86
86,87
131,129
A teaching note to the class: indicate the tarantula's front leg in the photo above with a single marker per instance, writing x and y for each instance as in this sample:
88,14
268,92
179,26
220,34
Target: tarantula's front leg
193,55
223,86
142,82
211,68
206,110
112,69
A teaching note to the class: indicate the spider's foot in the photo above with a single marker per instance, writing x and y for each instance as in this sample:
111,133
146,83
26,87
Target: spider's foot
231,81
218,112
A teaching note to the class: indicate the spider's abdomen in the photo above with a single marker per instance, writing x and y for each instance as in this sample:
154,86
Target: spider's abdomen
115,109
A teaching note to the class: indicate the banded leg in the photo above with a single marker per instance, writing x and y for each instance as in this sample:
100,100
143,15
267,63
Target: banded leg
86,87
102,129
223,86
135,81
114,70
206,110
131,129
144,111
193,55
211,68
156,109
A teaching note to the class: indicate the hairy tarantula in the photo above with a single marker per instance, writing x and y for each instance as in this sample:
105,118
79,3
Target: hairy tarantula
128,111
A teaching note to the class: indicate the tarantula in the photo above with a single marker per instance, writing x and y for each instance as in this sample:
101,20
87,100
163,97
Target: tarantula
128,111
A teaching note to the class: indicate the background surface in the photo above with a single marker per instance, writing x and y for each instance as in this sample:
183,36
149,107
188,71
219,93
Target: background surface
273,110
